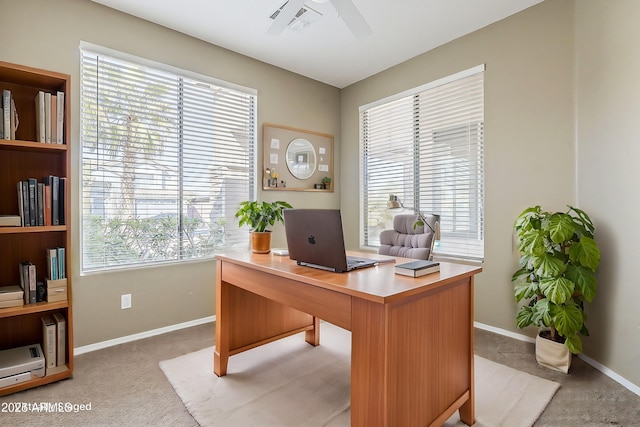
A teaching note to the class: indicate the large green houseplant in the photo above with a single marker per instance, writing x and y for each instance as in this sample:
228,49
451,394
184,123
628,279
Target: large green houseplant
258,216
558,260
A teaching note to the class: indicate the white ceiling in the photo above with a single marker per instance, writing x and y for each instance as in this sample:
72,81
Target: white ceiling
326,50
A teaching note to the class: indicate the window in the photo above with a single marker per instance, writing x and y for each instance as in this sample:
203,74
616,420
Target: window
166,157
425,146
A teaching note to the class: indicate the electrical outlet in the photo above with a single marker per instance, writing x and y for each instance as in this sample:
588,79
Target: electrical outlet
125,301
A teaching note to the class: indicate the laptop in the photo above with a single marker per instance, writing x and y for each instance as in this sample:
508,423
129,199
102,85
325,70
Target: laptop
315,239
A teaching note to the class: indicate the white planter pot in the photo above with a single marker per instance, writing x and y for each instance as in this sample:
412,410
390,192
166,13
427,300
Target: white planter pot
553,355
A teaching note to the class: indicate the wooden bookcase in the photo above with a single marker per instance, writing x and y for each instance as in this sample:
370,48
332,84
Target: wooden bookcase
23,158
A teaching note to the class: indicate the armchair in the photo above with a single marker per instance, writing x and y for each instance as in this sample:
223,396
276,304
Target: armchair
409,242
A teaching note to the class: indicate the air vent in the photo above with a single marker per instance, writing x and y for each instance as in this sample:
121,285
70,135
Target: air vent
305,17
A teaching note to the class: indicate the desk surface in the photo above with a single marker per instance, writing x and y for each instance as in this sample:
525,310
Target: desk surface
378,284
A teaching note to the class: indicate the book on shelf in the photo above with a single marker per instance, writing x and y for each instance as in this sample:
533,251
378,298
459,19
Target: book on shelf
417,268
40,203
55,197
12,293
54,119
28,282
33,208
1,120
60,118
62,188
10,221
26,220
49,341
47,117
61,338
47,202
61,254
6,116
32,284
40,117
14,119
52,264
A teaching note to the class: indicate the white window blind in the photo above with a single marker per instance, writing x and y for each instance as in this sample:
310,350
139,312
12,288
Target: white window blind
425,146
166,159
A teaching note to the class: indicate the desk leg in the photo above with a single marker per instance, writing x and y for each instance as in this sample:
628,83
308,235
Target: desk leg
468,410
368,365
313,336
221,352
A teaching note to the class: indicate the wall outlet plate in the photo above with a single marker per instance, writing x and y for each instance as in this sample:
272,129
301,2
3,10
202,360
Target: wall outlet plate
125,301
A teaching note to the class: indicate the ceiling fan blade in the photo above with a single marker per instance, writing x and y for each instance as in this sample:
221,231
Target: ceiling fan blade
285,16
352,18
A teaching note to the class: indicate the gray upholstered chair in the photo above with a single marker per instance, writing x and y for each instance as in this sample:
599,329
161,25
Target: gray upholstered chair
405,241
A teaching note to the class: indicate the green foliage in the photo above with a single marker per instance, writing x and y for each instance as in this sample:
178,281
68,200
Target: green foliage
120,241
260,215
558,259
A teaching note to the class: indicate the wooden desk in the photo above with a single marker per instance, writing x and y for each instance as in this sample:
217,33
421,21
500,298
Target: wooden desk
412,339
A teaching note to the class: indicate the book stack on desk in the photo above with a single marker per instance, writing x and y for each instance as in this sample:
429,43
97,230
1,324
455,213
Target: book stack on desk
417,268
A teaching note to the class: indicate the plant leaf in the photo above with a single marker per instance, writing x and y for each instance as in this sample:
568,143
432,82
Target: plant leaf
523,221
549,265
584,280
574,344
560,227
524,317
523,287
584,221
585,252
558,290
532,242
542,313
567,319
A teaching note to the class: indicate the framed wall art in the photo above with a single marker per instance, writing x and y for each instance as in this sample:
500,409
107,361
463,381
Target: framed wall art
296,159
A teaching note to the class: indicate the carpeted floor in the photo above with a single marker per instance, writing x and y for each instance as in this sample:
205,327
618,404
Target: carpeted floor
288,383
126,387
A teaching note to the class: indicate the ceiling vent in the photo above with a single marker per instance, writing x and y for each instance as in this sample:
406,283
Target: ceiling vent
305,17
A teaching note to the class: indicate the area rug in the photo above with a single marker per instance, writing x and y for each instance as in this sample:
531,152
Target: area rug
290,383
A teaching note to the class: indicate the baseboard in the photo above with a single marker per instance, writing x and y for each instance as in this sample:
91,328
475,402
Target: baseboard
611,374
141,335
599,366
500,331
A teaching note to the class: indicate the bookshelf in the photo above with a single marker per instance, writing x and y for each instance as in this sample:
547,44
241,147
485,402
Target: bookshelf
23,157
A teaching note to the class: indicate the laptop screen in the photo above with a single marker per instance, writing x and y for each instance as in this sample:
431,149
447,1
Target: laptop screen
314,236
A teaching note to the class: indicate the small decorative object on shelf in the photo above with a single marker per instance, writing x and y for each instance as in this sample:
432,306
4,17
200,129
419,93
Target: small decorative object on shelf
326,182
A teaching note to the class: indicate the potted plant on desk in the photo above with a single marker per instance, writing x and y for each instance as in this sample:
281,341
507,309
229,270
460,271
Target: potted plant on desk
258,216
558,260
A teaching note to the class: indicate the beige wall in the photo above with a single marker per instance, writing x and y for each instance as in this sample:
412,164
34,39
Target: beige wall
529,138
47,34
608,112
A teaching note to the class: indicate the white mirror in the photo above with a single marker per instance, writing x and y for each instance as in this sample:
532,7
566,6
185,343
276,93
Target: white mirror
301,158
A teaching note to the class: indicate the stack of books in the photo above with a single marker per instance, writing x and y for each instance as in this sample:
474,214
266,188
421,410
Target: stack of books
11,296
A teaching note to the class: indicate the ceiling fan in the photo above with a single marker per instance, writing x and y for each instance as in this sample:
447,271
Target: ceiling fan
345,8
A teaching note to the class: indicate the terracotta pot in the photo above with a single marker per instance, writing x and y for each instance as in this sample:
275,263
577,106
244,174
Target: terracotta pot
261,242
553,355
